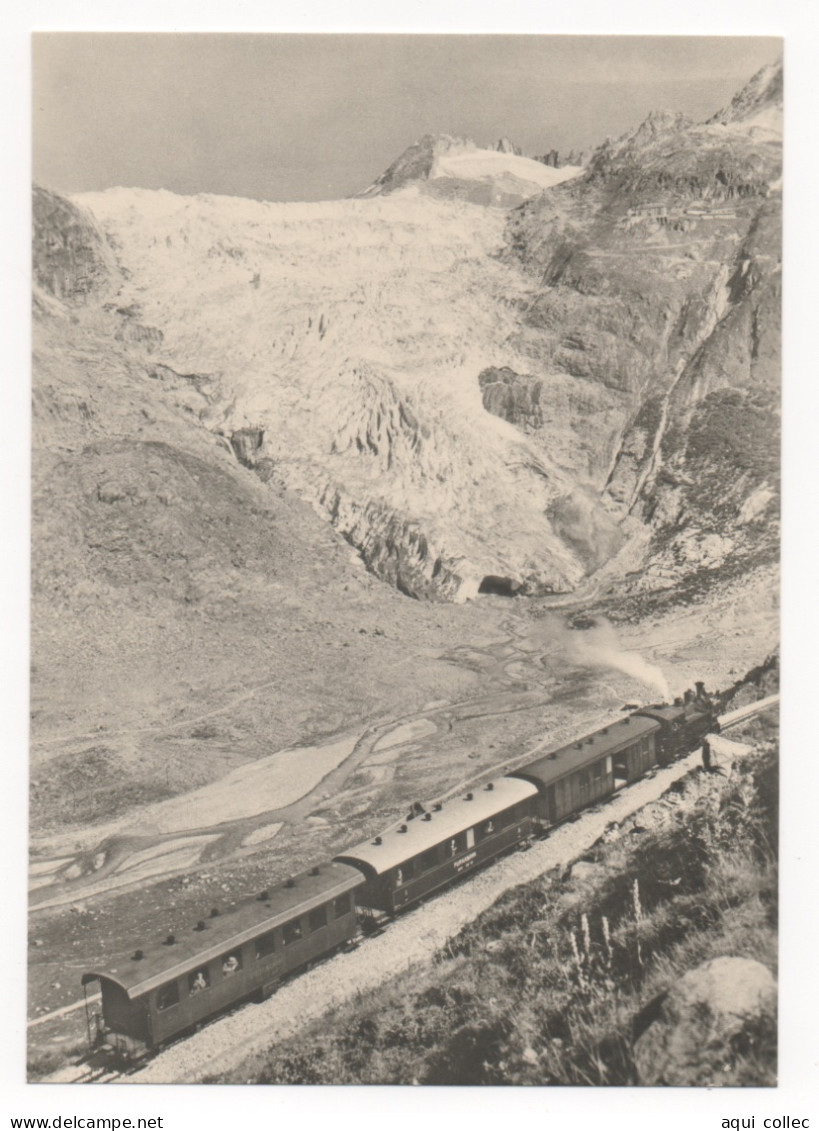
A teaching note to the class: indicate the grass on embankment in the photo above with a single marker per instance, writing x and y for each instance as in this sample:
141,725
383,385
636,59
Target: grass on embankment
544,987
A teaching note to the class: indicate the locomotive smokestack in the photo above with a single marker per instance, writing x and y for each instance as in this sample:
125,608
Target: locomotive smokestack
700,686
688,696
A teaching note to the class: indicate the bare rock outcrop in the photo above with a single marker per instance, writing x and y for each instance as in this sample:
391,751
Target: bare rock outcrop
658,294
512,396
71,259
690,1036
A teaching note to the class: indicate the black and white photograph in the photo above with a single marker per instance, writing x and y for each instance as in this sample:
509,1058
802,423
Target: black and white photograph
405,560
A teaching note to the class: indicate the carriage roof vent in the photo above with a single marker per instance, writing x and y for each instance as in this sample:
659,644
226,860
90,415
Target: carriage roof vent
577,745
289,882
437,807
138,955
315,870
263,895
605,730
214,912
169,940
490,785
469,797
402,828
590,741
201,925
626,720
427,816
377,841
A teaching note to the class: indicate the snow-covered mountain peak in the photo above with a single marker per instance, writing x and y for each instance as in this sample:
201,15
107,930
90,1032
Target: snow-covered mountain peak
763,92
457,168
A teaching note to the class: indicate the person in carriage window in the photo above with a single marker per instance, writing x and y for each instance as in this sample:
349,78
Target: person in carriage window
198,982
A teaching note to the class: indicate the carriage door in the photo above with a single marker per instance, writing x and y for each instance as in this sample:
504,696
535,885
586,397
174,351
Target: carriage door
620,769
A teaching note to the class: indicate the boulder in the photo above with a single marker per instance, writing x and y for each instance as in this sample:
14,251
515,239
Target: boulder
689,1036
585,870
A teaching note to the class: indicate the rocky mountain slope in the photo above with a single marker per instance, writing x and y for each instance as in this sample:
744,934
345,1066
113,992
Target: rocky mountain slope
658,285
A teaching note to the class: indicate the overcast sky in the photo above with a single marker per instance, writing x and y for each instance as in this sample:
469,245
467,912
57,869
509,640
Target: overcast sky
310,117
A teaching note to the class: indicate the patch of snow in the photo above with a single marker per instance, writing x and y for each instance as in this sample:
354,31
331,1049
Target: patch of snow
480,163
765,125
756,503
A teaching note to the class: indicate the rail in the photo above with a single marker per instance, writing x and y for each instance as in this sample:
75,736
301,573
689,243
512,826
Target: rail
734,718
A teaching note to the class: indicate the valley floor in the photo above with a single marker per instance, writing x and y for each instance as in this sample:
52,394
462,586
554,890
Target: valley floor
523,684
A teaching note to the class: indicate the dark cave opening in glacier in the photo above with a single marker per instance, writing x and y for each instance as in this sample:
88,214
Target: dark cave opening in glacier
498,586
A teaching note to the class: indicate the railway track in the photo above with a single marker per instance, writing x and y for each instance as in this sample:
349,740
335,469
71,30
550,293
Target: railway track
741,714
86,1073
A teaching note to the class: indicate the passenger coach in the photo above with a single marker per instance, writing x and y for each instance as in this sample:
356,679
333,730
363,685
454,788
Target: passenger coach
572,777
430,848
151,995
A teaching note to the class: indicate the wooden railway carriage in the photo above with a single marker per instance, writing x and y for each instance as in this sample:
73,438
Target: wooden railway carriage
433,847
151,995
571,777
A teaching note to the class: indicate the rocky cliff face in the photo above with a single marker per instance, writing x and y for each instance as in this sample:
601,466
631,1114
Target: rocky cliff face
658,280
71,259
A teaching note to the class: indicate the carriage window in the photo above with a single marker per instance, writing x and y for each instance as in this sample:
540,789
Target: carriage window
265,944
291,932
428,859
167,996
199,980
231,963
342,905
456,844
488,828
318,918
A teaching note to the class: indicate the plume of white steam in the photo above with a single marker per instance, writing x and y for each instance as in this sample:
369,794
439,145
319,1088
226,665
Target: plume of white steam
599,647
